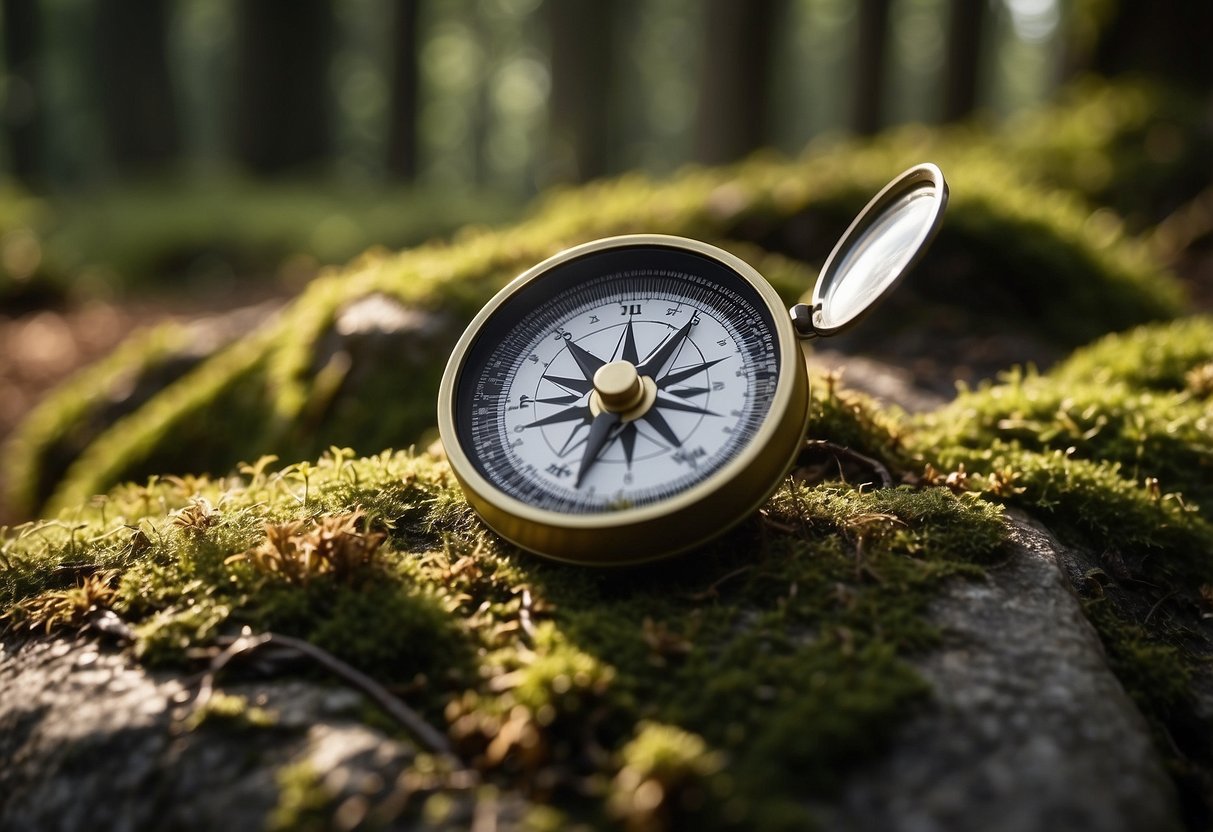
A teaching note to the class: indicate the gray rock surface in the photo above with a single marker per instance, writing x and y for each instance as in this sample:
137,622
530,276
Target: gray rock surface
1028,728
90,740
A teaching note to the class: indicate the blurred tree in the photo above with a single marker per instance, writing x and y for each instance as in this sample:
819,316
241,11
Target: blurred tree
132,83
1169,39
871,57
962,67
283,52
735,77
583,49
22,111
404,85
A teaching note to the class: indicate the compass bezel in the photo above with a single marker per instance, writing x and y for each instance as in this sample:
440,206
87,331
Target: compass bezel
666,527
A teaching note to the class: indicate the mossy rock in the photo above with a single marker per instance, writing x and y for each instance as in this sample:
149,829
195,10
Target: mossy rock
297,385
1139,148
737,687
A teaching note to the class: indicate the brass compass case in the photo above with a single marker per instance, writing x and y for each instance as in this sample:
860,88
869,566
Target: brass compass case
682,521
719,402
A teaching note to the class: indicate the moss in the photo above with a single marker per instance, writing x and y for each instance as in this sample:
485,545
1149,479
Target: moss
1153,672
1138,147
1100,448
233,713
303,800
792,657
276,391
1158,358
194,231
51,437
1123,404
666,779
851,419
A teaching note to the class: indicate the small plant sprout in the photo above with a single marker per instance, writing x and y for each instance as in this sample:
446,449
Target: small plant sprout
256,471
1002,483
957,480
302,550
59,609
1199,380
195,518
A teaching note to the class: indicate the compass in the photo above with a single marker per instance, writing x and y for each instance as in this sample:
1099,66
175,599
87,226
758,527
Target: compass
636,396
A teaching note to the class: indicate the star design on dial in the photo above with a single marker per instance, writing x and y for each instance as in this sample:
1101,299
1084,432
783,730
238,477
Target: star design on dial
607,426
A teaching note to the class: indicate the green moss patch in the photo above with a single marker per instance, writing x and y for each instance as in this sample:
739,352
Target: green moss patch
294,388
1134,400
718,689
686,691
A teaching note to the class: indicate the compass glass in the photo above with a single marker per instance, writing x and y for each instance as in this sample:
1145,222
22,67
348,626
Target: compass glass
692,363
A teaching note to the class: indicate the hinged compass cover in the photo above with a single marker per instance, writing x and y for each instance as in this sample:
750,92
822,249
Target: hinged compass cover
879,248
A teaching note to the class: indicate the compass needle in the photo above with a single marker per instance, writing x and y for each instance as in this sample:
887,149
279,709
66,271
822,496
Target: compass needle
566,415
675,376
600,434
659,424
629,344
627,438
653,364
577,385
684,407
586,360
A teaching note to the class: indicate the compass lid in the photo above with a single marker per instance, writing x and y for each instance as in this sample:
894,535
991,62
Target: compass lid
882,244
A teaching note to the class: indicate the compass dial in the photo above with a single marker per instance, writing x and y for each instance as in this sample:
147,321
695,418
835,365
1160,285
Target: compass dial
694,344
625,399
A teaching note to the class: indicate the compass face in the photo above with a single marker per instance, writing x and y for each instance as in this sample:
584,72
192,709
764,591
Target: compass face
690,344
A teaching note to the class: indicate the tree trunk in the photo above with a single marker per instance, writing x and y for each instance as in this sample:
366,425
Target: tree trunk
872,49
735,82
284,49
134,89
963,67
22,115
583,48
1169,39
402,160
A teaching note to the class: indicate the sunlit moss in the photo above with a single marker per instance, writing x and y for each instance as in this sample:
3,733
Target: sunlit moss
1127,399
303,800
795,626
1039,261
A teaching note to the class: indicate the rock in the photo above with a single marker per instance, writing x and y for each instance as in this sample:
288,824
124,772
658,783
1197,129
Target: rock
91,740
1028,728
